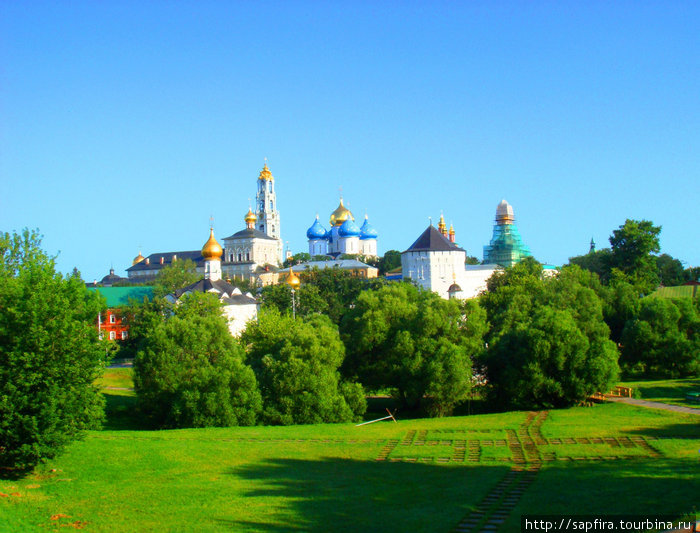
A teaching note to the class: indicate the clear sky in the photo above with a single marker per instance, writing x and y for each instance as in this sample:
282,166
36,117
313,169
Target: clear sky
126,125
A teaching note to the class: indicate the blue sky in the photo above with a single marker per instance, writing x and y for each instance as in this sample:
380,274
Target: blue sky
126,125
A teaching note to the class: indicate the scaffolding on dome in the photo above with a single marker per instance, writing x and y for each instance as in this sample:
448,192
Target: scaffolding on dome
506,247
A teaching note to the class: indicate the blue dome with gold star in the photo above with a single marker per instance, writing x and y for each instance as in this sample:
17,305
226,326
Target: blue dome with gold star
316,231
367,231
349,229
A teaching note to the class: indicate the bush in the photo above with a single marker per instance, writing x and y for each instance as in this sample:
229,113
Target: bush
50,354
189,371
296,363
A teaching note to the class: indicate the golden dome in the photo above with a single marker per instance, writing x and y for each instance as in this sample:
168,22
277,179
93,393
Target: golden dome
265,174
138,259
212,249
340,215
293,280
442,227
250,217
452,230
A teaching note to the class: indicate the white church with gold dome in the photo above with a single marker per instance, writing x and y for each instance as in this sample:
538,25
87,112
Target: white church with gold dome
254,253
343,237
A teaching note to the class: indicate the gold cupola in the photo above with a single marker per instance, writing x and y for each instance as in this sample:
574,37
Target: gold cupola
265,174
137,259
250,219
212,250
442,227
293,280
340,215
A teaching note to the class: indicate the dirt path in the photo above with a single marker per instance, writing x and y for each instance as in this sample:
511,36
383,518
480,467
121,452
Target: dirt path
654,405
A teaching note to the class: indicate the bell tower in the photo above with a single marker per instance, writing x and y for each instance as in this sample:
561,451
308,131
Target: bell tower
268,217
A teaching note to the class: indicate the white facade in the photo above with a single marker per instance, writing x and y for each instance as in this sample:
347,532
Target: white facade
435,263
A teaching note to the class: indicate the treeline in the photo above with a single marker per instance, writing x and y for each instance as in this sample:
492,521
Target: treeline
532,340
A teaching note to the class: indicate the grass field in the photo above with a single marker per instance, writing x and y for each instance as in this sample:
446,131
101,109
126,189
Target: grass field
414,475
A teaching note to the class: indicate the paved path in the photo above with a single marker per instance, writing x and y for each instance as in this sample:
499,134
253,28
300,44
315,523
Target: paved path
655,405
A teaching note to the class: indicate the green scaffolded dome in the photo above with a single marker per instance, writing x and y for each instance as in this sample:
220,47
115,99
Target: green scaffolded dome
506,247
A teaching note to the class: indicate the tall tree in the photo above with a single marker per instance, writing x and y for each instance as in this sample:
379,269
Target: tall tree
548,345
414,343
50,354
632,246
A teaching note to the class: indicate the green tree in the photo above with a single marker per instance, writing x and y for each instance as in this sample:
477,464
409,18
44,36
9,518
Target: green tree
598,262
389,261
472,260
670,271
621,303
301,257
663,340
50,354
415,343
307,297
180,273
189,371
632,246
338,288
548,345
296,363
692,274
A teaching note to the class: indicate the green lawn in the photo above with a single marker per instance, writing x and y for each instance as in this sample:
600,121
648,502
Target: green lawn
670,391
117,377
610,459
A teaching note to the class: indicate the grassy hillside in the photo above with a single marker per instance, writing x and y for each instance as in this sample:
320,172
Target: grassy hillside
415,475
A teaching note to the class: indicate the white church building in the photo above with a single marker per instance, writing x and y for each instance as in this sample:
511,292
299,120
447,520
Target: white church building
343,237
238,308
436,263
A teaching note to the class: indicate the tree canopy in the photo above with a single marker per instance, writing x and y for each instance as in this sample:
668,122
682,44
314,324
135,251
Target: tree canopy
663,339
50,354
414,343
329,291
189,371
548,345
296,362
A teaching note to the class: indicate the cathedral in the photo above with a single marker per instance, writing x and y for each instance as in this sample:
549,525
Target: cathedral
343,237
254,252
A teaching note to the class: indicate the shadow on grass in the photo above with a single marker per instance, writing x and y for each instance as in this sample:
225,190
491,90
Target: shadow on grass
641,486
336,494
121,413
689,430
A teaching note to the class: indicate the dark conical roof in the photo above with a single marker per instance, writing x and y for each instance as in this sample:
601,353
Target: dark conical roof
431,240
